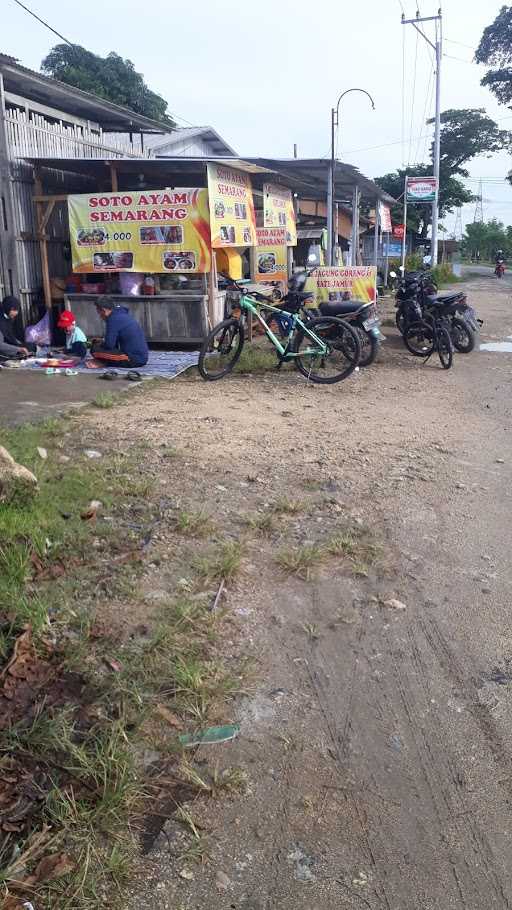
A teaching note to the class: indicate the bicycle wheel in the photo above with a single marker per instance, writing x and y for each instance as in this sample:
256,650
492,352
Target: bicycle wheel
444,348
419,339
339,360
221,349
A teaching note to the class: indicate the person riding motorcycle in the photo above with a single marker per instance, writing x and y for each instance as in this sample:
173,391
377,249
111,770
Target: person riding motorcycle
500,263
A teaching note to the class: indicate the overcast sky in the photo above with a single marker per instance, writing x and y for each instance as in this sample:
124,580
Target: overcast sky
266,74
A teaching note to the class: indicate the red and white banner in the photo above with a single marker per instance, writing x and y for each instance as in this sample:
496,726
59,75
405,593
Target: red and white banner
385,218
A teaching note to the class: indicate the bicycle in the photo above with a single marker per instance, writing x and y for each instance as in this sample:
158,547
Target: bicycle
430,334
324,349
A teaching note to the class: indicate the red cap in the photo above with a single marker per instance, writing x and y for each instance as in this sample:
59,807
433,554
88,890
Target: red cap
66,320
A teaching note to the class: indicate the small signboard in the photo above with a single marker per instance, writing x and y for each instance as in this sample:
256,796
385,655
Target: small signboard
421,189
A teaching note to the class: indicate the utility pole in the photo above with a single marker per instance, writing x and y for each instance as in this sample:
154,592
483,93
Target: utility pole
438,49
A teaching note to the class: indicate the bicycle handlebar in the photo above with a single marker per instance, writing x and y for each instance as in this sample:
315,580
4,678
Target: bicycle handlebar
243,290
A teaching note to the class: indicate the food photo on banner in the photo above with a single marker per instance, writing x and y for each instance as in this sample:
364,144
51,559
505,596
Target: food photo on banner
271,254
278,210
143,231
232,216
359,281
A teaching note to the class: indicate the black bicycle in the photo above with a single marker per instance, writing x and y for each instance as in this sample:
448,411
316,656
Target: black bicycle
430,334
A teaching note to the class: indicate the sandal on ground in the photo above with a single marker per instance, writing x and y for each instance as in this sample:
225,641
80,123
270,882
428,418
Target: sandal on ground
109,374
134,376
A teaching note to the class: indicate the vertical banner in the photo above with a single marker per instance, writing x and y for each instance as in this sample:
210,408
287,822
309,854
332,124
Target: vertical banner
141,231
278,211
271,254
232,217
385,218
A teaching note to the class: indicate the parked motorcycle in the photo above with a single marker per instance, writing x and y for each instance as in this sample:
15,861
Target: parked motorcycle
417,296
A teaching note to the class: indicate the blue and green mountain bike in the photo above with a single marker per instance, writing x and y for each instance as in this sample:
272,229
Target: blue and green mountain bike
325,349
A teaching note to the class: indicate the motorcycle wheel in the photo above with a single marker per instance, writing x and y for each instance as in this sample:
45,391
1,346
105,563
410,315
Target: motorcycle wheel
370,347
400,321
463,338
419,339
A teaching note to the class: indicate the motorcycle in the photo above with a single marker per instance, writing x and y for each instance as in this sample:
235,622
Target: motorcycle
499,271
362,315
417,295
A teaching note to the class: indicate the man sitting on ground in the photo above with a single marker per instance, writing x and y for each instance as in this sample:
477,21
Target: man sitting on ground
124,344
11,348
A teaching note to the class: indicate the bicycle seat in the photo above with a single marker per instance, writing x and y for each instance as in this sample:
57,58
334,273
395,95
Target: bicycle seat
342,307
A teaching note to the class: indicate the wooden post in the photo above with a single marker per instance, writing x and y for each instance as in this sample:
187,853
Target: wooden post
43,216
113,178
212,290
9,280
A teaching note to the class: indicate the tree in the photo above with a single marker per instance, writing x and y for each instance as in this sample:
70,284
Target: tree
487,238
495,50
109,77
465,134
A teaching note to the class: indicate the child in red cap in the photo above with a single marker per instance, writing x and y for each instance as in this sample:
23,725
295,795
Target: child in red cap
76,342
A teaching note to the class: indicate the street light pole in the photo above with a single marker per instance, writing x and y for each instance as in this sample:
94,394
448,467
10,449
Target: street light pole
438,48
332,169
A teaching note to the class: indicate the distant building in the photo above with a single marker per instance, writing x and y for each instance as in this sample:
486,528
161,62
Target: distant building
192,142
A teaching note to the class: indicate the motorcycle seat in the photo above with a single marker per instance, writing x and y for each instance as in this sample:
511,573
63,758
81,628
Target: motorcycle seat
342,307
443,299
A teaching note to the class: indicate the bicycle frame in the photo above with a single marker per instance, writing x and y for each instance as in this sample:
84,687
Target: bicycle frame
247,304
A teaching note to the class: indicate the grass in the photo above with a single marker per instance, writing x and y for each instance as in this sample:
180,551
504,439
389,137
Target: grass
223,562
300,560
104,401
88,749
255,359
263,522
353,544
194,524
286,506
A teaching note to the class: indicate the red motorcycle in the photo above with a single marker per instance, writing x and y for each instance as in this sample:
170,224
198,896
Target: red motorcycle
499,271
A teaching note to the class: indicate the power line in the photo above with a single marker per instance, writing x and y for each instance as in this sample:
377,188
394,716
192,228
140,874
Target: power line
71,44
468,46
42,21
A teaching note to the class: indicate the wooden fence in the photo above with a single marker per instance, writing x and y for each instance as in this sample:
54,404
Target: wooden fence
34,136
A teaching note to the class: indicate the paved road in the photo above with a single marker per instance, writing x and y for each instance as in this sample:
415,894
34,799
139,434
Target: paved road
485,271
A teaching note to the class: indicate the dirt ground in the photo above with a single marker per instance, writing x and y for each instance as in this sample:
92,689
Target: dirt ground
376,739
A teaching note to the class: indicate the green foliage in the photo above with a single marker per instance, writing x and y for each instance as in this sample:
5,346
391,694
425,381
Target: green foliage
465,134
487,238
443,274
495,50
110,77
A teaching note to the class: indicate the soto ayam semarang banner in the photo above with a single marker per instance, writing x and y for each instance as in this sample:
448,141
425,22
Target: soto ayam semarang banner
141,231
360,281
278,210
232,216
271,255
